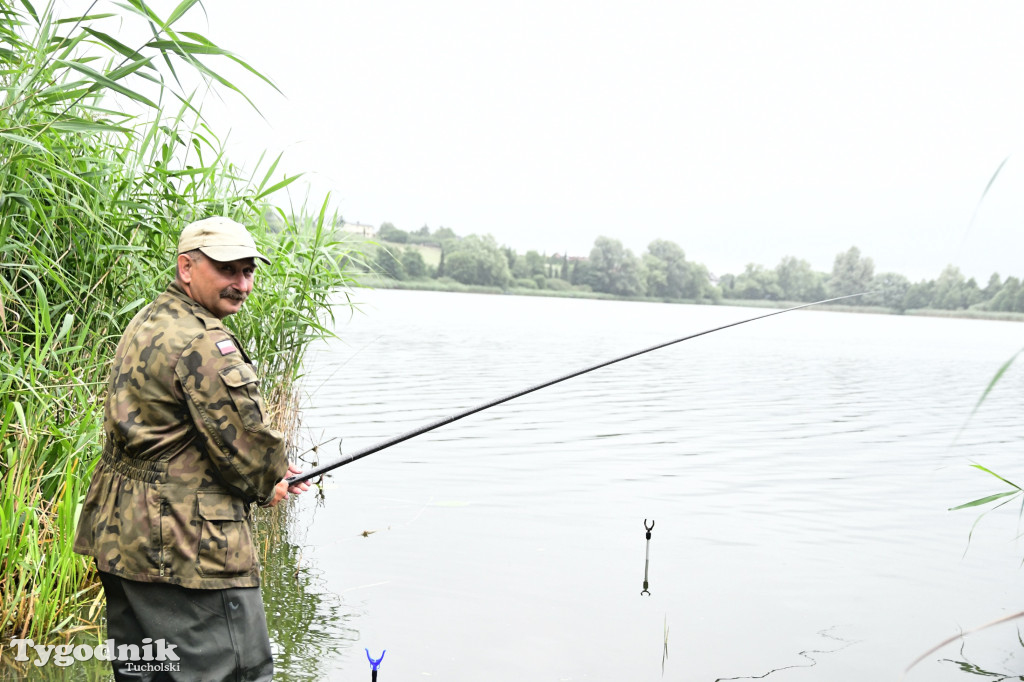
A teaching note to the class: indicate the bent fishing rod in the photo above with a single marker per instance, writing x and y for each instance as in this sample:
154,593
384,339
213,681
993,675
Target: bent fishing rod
365,452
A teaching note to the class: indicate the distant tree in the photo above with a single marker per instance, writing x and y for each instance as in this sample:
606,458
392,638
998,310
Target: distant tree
529,265
727,285
666,270
992,288
919,295
798,281
851,274
614,269
422,236
443,233
413,264
390,233
511,256
890,291
552,266
950,290
973,295
580,272
702,287
757,283
565,267
534,263
1007,298
388,264
669,275
478,260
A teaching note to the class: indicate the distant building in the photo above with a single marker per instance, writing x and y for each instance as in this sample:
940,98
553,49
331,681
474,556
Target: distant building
365,231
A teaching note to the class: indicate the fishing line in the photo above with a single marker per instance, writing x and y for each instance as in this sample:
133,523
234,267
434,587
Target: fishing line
321,469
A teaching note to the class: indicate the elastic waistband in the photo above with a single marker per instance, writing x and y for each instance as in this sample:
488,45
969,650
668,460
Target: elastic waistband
147,471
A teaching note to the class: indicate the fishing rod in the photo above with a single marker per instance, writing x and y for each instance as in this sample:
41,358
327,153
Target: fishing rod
395,440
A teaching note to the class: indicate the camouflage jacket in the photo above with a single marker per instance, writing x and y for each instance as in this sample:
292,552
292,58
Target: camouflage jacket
187,451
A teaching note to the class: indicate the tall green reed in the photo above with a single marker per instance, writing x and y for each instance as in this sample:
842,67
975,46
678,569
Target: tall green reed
1012,492
91,200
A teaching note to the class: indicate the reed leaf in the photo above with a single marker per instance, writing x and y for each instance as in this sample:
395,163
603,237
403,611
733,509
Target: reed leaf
985,500
995,380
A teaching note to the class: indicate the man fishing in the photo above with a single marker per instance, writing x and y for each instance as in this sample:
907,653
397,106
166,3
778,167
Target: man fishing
188,449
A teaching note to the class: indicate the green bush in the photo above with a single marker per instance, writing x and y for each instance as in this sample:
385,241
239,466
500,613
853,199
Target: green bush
558,285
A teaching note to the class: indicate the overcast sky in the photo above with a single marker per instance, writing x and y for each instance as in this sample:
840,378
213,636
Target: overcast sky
743,131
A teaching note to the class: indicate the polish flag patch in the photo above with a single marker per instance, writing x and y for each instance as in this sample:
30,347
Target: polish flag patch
226,347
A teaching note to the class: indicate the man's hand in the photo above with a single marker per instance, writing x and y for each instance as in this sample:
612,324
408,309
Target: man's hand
282,488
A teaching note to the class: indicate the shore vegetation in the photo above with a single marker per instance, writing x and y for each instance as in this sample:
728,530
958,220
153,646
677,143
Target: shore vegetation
103,158
442,260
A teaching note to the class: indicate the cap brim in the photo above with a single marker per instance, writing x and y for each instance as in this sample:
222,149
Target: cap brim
230,253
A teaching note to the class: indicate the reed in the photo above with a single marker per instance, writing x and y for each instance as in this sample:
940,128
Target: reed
93,191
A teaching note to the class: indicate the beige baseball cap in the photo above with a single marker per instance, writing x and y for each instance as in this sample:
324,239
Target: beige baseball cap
219,238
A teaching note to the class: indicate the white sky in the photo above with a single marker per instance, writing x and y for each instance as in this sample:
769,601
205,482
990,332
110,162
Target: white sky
744,131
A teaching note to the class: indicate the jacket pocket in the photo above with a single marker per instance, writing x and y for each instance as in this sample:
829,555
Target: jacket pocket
244,388
225,539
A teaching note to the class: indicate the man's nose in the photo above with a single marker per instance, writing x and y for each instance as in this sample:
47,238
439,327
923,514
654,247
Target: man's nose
243,283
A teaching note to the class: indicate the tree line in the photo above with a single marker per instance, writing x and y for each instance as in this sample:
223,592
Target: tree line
663,272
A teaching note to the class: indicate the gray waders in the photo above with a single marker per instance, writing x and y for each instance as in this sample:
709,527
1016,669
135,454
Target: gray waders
214,634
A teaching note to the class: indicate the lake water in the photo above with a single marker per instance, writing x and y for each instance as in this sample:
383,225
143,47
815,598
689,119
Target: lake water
798,471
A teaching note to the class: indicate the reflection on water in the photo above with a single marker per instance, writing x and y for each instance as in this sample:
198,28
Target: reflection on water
307,624
976,654
808,658
1005,666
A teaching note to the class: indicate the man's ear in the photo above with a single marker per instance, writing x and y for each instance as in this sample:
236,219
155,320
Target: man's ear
185,268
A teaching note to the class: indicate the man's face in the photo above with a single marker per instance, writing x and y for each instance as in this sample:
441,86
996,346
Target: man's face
219,286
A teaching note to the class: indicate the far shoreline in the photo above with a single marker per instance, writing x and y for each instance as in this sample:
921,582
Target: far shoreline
371,281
